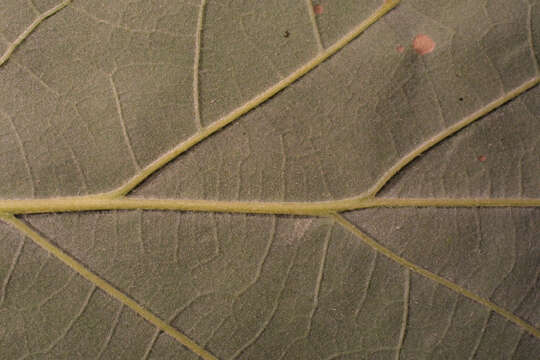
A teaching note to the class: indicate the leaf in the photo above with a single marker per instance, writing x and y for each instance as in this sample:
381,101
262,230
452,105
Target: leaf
270,179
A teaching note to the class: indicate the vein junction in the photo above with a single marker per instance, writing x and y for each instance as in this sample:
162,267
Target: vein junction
117,200
10,208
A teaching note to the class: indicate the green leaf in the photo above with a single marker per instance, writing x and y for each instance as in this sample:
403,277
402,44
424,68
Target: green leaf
269,179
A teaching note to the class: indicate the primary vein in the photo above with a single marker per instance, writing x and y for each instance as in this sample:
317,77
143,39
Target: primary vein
317,208
117,200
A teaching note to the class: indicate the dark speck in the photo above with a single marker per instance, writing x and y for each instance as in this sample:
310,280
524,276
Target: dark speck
286,33
460,99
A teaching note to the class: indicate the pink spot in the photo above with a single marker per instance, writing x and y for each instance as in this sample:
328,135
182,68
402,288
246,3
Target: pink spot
318,9
400,49
482,158
423,44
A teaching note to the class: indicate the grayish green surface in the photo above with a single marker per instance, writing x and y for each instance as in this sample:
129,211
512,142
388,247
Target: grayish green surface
493,252
334,133
49,312
244,50
265,286
509,141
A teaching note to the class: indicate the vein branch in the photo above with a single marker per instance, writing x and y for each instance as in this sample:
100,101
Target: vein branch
11,48
105,286
379,184
116,200
446,133
252,103
434,277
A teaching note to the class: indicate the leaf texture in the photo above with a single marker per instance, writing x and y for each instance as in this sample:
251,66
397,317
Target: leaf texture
373,111
269,180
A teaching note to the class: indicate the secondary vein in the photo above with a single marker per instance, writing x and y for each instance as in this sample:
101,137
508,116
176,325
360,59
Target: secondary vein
105,286
252,103
434,277
19,40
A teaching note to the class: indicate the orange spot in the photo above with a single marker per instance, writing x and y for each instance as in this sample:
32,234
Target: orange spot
400,49
318,9
482,158
423,44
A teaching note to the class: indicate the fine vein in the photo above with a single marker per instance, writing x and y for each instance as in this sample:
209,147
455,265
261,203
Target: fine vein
434,277
405,316
11,48
320,277
196,64
67,329
125,133
105,286
251,104
9,274
23,151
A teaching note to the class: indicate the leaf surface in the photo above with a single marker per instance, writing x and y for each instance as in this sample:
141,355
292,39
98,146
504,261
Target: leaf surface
274,179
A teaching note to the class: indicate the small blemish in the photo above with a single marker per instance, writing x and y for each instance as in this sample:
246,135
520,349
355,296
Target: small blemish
423,44
318,9
286,33
482,158
460,99
400,49
300,228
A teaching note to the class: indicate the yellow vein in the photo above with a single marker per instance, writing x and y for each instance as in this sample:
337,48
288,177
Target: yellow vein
196,64
383,180
251,104
318,208
389,174
315,27
450,202
110,201
11,48
105,286
440,280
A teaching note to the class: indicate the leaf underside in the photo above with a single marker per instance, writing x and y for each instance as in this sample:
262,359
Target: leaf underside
269,179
